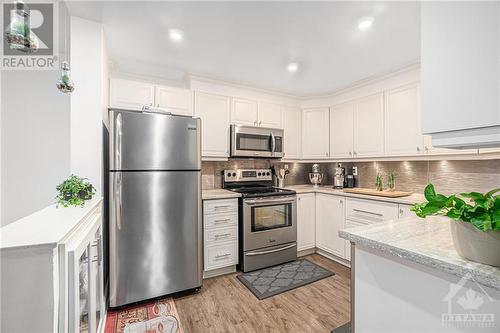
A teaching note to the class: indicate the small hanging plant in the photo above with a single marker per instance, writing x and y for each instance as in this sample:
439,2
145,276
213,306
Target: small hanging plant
74,191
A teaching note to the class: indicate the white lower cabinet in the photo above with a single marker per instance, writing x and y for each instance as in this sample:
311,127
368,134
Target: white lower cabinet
52,279
220,233
330,218
306,221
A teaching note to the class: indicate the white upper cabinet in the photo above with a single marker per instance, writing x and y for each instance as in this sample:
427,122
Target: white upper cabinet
269,115
330,218
316,133
214,111
175,100
369,127
403,136
306,221
244,112
460,70
291,126
132,95
342,130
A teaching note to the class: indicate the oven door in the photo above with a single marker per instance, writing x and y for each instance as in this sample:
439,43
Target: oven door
249,141
269,221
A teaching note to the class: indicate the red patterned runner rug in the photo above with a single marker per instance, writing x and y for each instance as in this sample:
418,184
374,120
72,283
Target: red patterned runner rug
158,316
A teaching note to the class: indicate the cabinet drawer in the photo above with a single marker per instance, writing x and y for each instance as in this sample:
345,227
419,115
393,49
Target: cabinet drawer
221,234
220,220
217,256
369,211
220,206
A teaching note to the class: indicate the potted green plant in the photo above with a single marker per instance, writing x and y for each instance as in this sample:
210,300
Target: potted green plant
476,230
74,191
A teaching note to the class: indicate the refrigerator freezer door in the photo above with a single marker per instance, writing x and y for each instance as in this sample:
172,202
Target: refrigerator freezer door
155,234
153,141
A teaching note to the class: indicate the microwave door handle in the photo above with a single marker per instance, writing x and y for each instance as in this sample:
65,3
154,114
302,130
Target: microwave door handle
273,143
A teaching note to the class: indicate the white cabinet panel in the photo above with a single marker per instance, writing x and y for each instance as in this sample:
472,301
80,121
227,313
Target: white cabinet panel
461,72
403,136
330,218
306,221
269,115
369,127
291,127
342,130
431,150
214,111
133,95
175,100
244,112
316,133
370,211
221,255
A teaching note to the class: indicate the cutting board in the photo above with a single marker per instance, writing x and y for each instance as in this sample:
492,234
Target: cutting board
371,191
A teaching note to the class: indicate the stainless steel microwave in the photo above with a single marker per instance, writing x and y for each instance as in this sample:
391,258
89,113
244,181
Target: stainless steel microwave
249,141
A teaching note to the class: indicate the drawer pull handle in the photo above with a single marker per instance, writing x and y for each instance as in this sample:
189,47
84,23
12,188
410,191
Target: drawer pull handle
222,236
222,256
221,207
221,221
367,212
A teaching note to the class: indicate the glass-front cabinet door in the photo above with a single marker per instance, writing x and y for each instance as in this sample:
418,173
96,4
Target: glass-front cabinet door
85,303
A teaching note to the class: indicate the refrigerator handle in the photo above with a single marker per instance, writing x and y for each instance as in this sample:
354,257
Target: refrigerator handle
118,199
118,142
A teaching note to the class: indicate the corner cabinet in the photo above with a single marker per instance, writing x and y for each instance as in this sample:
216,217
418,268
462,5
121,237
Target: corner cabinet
214,111
330,219
291,126
54,273
316,133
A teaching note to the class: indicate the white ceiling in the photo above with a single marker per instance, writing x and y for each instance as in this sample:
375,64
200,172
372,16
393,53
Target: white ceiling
252,42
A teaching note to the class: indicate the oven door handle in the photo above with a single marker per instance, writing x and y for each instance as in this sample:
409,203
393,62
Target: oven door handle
270,251
268,201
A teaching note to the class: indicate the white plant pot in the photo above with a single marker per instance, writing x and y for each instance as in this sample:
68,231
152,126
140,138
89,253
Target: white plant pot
476,245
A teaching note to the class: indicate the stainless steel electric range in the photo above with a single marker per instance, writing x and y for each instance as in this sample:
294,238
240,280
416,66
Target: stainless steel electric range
267,219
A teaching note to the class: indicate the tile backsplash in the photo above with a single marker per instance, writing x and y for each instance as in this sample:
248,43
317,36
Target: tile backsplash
448,176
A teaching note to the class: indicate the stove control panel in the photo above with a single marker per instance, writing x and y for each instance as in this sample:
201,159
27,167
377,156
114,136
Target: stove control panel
247,175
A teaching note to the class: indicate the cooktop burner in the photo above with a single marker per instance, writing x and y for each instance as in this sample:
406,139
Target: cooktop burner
251,192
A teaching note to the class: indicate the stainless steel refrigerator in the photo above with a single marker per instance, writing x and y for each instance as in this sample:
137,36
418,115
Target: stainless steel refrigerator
155,233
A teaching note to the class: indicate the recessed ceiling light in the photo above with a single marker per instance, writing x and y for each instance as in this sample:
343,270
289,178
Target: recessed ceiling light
175,34
292,67
365,23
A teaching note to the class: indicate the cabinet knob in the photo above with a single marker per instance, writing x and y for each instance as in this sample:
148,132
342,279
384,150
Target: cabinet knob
350,153
260,122
418,148
341,201
326,154
426,148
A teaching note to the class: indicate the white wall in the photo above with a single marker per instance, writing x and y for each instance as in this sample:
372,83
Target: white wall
35,141
87,51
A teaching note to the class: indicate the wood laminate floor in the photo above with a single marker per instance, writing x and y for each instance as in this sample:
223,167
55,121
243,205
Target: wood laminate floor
226,305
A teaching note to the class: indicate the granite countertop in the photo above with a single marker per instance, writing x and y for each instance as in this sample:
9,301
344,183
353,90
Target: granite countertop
408,200
427,242
218,193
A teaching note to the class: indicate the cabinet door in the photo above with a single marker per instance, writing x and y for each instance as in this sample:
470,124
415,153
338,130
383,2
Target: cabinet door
330,218
404,211
175,100
132,95
316,133
342,133
291,126
214,111
269,115
369,127
403,136
244,112
306,221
